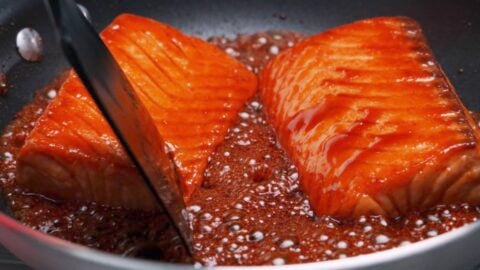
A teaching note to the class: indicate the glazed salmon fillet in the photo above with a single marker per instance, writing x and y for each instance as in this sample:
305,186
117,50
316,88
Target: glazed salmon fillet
192,90
371,121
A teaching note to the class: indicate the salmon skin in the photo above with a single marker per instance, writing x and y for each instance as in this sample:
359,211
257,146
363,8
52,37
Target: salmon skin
371,121
192,90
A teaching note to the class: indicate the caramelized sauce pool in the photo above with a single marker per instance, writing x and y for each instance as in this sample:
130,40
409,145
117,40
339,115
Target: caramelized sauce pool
249,210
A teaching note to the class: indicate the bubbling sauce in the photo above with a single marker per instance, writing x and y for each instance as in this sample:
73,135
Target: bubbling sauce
249,209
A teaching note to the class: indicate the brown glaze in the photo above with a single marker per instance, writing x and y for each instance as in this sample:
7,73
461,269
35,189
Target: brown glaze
248,211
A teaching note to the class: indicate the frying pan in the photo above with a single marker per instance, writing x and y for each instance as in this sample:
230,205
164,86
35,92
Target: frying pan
452,28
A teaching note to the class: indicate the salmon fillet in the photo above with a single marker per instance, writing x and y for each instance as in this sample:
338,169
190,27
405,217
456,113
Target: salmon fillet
371,121
192,90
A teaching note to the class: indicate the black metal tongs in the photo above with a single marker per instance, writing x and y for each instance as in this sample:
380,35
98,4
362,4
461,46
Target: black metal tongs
125,113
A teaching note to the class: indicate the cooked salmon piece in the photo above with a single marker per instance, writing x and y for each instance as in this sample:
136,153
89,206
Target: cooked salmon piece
371,121
192,90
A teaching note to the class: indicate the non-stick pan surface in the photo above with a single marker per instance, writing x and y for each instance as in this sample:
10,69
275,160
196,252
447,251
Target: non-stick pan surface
452,28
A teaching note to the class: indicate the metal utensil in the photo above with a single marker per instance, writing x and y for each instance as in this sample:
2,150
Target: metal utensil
122,108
